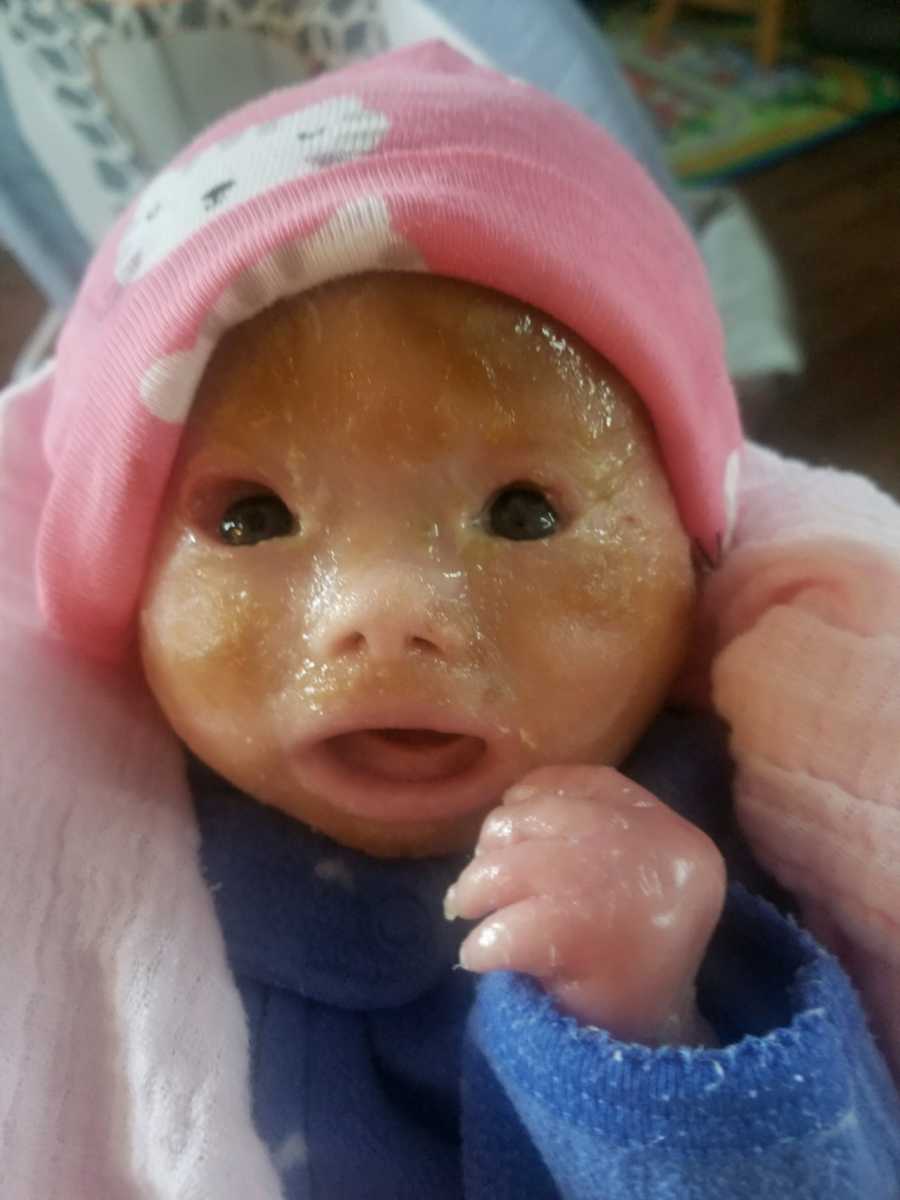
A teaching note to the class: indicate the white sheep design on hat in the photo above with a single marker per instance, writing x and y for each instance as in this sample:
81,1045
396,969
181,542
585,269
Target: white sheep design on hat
187,196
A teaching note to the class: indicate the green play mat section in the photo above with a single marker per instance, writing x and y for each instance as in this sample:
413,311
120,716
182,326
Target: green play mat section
720,114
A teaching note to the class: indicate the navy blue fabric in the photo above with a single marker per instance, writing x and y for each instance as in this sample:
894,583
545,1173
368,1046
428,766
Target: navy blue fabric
380,1072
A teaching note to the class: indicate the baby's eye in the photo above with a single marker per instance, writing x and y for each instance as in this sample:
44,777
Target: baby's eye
256,519
521,513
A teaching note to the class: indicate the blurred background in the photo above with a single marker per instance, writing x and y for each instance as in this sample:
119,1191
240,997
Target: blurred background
773,125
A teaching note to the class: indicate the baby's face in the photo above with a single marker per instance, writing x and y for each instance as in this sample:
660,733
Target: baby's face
417,542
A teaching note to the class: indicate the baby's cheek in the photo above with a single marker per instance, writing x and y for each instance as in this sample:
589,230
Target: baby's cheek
208,629
572,630
589,630
552,596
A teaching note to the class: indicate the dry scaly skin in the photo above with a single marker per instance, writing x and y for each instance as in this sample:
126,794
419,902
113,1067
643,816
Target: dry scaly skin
385,412
609,897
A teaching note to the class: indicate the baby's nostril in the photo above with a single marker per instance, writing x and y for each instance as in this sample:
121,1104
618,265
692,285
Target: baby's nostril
355,641
419,643
380,643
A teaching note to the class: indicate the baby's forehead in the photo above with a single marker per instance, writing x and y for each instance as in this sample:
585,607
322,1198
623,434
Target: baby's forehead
412,357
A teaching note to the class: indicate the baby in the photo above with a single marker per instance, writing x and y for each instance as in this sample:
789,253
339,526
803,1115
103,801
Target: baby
474,567
388,449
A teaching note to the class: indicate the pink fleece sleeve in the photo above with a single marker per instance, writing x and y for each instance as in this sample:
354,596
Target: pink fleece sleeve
804,618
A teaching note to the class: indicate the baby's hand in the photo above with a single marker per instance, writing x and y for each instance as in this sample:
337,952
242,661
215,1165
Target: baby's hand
600,891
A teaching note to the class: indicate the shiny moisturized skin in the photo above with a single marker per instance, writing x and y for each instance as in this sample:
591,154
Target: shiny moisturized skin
388,412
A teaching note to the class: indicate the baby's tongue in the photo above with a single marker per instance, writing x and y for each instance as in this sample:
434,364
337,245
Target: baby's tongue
407,754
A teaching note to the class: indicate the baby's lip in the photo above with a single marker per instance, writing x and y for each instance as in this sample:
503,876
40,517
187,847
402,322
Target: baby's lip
405,755
410,763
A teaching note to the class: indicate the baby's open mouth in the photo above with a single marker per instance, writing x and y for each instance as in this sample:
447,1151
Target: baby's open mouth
408,762
405,755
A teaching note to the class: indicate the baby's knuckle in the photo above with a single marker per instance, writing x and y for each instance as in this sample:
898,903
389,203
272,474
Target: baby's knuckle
707,874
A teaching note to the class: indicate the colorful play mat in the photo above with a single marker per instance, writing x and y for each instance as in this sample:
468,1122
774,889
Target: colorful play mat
720,114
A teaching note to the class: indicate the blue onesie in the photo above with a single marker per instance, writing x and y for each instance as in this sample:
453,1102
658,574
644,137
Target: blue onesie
380,1072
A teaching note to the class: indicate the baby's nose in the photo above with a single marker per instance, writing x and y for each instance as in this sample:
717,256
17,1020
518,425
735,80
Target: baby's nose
387,614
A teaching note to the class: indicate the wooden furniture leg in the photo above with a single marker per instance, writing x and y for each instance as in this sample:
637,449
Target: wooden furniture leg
770,21
666,11
768,43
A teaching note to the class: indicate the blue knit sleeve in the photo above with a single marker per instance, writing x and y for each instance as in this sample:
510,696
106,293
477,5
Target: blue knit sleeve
797,1102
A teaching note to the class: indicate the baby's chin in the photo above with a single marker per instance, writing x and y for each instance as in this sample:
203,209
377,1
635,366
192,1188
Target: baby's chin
397,792
384,838
399,783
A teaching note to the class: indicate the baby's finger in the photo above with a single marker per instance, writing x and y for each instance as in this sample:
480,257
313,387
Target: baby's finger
591,781
542,819
538,936
528,868
603,974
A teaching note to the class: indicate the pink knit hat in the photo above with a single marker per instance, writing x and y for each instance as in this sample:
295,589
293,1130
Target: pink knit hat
418,160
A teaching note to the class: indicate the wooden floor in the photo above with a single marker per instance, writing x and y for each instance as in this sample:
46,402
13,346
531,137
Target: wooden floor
832,215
